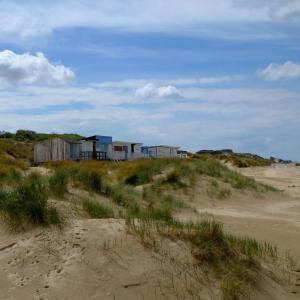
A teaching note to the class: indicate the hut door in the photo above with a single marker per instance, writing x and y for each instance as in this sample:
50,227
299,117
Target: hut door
94,150
73,151
126,151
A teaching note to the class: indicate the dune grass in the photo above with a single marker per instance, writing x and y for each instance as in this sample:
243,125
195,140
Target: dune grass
234,262
81,175
28,203
239,160
214,169
96,210
176,173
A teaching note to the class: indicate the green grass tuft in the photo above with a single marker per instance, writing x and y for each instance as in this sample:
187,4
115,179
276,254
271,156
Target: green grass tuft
27,203
97,210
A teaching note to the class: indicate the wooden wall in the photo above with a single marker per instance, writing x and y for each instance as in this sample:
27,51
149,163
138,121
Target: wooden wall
54,149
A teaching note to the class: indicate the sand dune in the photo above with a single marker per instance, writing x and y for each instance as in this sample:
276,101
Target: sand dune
98,259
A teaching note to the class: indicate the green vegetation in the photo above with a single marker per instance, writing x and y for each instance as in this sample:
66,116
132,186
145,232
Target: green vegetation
27,203
232,261
32,136
239,160
145,193
58,182
14,155
80,174
213,168
143,171
96,210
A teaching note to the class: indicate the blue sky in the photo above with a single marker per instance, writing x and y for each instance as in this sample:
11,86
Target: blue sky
197,74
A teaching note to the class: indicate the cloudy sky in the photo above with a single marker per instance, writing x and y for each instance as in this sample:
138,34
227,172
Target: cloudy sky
196,73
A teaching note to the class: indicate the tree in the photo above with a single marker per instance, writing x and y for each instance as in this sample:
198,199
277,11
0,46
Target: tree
25,135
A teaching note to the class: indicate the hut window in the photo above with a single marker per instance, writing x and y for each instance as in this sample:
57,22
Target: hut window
118,148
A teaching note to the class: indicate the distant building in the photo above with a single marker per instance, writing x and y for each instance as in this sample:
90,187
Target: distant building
216,152
125,150
160,151
100,147
182,154
57,149
96,147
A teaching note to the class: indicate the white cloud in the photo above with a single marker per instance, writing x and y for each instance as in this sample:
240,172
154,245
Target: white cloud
205,80
276,9
183,81
29,19
274,71
31,69
211,117
151,91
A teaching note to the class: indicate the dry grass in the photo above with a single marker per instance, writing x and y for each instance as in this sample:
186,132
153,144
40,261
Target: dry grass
231,261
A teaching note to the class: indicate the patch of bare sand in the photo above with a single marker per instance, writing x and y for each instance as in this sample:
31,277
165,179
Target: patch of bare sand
283,177
98,259
273,217
91,259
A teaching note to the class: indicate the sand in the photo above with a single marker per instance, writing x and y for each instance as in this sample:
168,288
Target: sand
274,217
91,259
98,259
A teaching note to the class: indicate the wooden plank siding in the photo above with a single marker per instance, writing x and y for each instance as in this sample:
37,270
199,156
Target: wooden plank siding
56,149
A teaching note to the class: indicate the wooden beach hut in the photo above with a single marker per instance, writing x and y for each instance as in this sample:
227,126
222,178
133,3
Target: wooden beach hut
56,149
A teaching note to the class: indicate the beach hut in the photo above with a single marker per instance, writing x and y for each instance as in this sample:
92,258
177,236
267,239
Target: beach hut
56,149
160,151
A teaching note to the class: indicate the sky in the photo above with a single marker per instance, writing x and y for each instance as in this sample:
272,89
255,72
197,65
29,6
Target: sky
199,74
